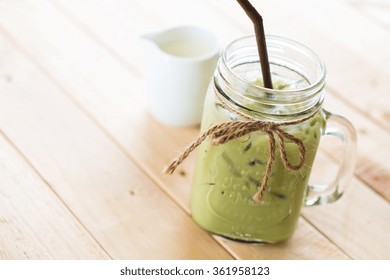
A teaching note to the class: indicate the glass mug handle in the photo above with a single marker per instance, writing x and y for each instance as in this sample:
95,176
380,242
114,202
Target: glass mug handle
341,128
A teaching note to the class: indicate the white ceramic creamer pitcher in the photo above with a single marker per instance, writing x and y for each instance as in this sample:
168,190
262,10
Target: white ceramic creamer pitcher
179,66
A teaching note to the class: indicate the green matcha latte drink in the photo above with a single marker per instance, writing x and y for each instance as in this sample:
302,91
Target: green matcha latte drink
228,175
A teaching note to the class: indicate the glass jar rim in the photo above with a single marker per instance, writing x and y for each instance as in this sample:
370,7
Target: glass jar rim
287,42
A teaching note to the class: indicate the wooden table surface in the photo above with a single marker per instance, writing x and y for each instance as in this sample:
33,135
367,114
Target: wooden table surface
81,158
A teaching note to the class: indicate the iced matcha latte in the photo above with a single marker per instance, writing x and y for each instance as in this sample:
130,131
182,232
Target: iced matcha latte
227,176
245,186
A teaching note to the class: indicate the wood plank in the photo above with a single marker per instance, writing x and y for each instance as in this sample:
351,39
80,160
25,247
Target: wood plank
370,135
106,16
34,223
128,215
354,221
358,222
302,237
350,28
376,11
77,76
378,173
372,151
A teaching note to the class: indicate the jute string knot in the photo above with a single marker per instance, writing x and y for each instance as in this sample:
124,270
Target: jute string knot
225,132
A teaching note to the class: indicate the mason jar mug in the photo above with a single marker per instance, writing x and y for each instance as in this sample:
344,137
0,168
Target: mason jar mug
252,185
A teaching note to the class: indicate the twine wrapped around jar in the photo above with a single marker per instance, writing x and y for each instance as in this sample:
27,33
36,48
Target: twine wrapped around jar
225,132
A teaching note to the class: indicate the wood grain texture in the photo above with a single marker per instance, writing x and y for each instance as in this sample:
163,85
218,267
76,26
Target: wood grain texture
303,237
127,121
375,11
354,223
119,205
370,138
357,222
366,127
34,223
71,99
378,174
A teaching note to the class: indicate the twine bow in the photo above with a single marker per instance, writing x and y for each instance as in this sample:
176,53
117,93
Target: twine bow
225,132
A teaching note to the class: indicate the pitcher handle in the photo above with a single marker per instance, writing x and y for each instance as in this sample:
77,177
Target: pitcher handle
341,128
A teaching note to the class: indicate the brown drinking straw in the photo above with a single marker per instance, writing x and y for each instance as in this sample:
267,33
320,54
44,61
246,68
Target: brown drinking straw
260,39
